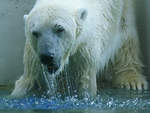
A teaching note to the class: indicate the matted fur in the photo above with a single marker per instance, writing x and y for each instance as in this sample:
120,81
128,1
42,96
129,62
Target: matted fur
112,37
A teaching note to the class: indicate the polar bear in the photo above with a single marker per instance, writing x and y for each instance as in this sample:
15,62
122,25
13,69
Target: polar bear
74,40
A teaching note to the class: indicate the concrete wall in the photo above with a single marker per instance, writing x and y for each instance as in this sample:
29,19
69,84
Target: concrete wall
143,24
12,36
148,34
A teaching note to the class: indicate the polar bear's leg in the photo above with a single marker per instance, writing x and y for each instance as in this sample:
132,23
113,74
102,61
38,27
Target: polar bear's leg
128,67
93,85
31,72
88,86
127,64
22,86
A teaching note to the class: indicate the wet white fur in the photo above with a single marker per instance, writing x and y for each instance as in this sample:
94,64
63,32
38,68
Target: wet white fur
108,26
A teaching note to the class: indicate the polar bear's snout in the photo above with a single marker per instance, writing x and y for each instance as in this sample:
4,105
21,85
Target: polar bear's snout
49,61
49,52
50,56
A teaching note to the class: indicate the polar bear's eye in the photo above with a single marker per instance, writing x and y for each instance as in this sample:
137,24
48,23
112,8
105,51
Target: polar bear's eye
59,29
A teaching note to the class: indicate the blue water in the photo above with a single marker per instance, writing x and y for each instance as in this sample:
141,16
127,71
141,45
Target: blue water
108,101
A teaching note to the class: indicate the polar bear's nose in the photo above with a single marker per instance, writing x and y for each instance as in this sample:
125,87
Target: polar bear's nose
47,59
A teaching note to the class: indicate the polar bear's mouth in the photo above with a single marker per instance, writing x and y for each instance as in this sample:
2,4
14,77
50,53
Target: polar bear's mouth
52,69
49,63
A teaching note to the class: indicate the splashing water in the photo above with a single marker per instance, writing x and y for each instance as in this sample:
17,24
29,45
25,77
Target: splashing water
50,81
110,99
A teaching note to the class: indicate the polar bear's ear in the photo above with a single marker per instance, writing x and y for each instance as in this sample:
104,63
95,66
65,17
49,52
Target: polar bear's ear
37,1
82,14
25,17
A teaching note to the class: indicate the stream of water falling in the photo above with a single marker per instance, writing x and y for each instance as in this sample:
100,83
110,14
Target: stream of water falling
50,81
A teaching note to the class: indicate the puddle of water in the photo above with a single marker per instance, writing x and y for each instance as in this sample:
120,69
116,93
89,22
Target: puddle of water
108,101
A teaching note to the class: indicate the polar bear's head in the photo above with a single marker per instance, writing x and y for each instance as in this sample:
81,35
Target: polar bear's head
53,31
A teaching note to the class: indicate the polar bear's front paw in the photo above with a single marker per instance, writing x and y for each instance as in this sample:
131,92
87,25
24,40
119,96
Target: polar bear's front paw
130,81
